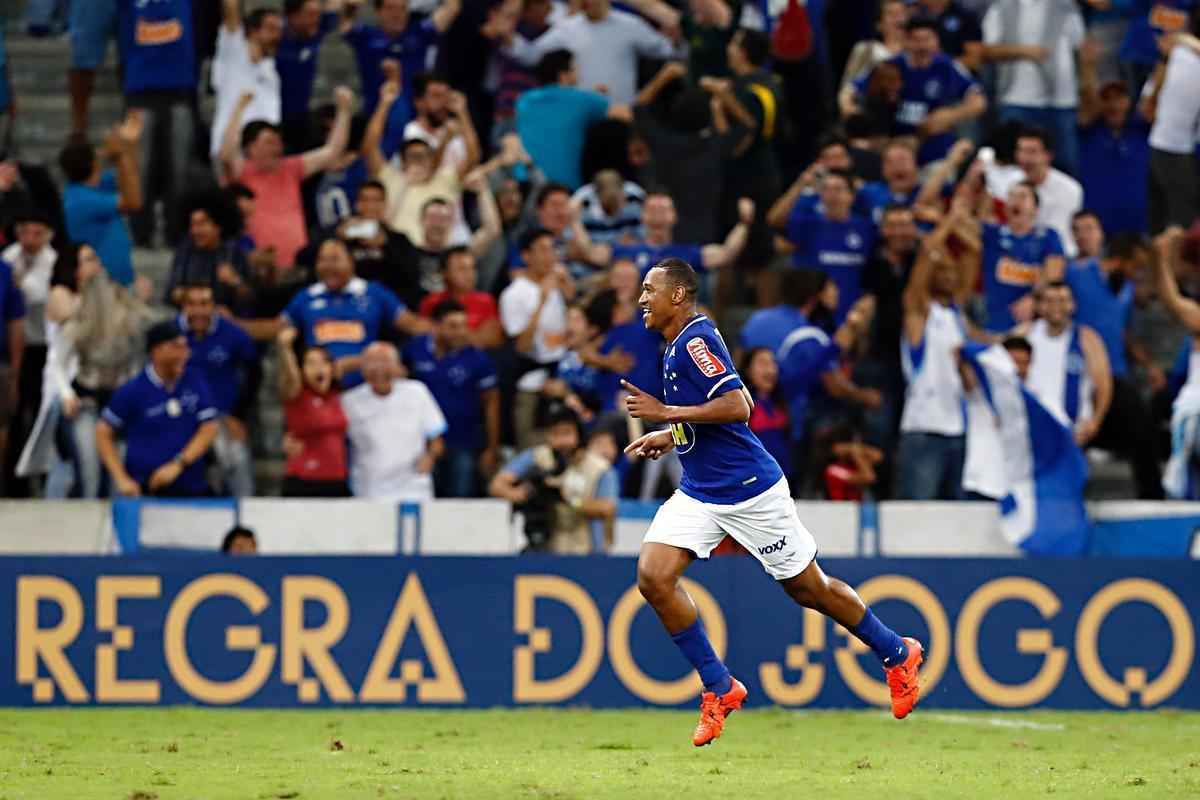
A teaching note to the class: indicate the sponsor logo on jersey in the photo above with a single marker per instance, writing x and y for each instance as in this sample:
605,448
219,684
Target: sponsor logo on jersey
1015,273
708,363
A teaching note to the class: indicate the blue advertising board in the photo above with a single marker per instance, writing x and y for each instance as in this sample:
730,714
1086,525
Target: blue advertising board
480,632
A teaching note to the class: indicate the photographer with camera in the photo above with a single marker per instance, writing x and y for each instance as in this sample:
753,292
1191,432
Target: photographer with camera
567,493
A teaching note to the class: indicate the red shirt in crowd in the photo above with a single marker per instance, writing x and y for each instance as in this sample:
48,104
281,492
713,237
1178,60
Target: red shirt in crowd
480,306
838,485
319,423
278,219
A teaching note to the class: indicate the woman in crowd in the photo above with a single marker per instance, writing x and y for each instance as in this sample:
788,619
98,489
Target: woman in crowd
769,418
315,443
106,335
867,54
50,450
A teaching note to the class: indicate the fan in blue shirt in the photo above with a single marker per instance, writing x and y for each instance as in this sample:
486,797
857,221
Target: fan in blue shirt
658,221
1150,21
768,327
937,94
1114,159
1103,290
344,313
396,37
168,420
831,237
95,199
221,352
462,379
1015,257
296,57
900,185
157,49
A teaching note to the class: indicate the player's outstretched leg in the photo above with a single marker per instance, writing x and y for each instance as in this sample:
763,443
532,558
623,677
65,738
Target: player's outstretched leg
901,657
659,569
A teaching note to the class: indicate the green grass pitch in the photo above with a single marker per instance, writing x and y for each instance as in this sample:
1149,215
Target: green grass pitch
162,754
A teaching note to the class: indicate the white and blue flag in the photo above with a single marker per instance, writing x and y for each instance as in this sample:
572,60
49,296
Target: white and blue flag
1045,472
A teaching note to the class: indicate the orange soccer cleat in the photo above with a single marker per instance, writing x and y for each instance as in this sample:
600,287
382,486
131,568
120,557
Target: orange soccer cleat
714,710
903,680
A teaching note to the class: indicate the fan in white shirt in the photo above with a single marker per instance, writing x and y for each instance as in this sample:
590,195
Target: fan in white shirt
245,64
395,429
32,260
1059,195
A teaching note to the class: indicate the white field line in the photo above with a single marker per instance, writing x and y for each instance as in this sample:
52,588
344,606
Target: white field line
998,722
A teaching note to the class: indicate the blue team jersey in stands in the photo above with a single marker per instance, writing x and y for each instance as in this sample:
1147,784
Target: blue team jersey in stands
1149,20
841,249
646,255
157,47
926,89
296,62
457,382
1012,264
346,321
221,357
768,327
722,464
372,46
1102,308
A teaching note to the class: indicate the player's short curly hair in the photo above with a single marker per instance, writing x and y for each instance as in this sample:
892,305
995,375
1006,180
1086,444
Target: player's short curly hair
680,273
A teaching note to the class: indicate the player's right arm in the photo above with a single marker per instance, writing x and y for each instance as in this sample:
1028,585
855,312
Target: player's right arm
727,407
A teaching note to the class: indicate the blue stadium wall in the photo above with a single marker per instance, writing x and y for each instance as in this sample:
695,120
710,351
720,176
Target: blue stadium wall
451,632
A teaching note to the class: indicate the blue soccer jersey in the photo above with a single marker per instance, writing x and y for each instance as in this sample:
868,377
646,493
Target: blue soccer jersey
1012,265
722,464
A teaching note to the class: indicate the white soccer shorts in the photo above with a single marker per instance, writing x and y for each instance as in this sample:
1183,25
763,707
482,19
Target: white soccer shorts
767,525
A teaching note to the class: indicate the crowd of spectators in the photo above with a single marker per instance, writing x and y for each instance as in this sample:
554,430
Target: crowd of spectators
442,263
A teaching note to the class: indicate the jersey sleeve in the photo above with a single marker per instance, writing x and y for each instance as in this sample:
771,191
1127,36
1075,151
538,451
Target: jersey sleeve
485,373
433,422
293,313
246,350
391,305
121,409
799,224
206,409
1053,244
705,362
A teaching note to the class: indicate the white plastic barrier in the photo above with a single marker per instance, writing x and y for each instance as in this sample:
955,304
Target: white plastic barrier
913,529
184,526
487,527
475,527
67,527
311,527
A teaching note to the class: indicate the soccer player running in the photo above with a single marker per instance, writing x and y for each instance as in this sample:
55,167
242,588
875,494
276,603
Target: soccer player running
730,485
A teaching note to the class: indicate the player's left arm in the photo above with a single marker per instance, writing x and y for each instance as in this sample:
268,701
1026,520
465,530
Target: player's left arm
1096,360
730,406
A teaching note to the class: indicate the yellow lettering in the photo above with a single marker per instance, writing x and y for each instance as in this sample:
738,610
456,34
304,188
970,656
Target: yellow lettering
46,644
526,591
619,653
300,644
1035,640
1087,635
898,587
110,688
412,608
237,637
812,676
